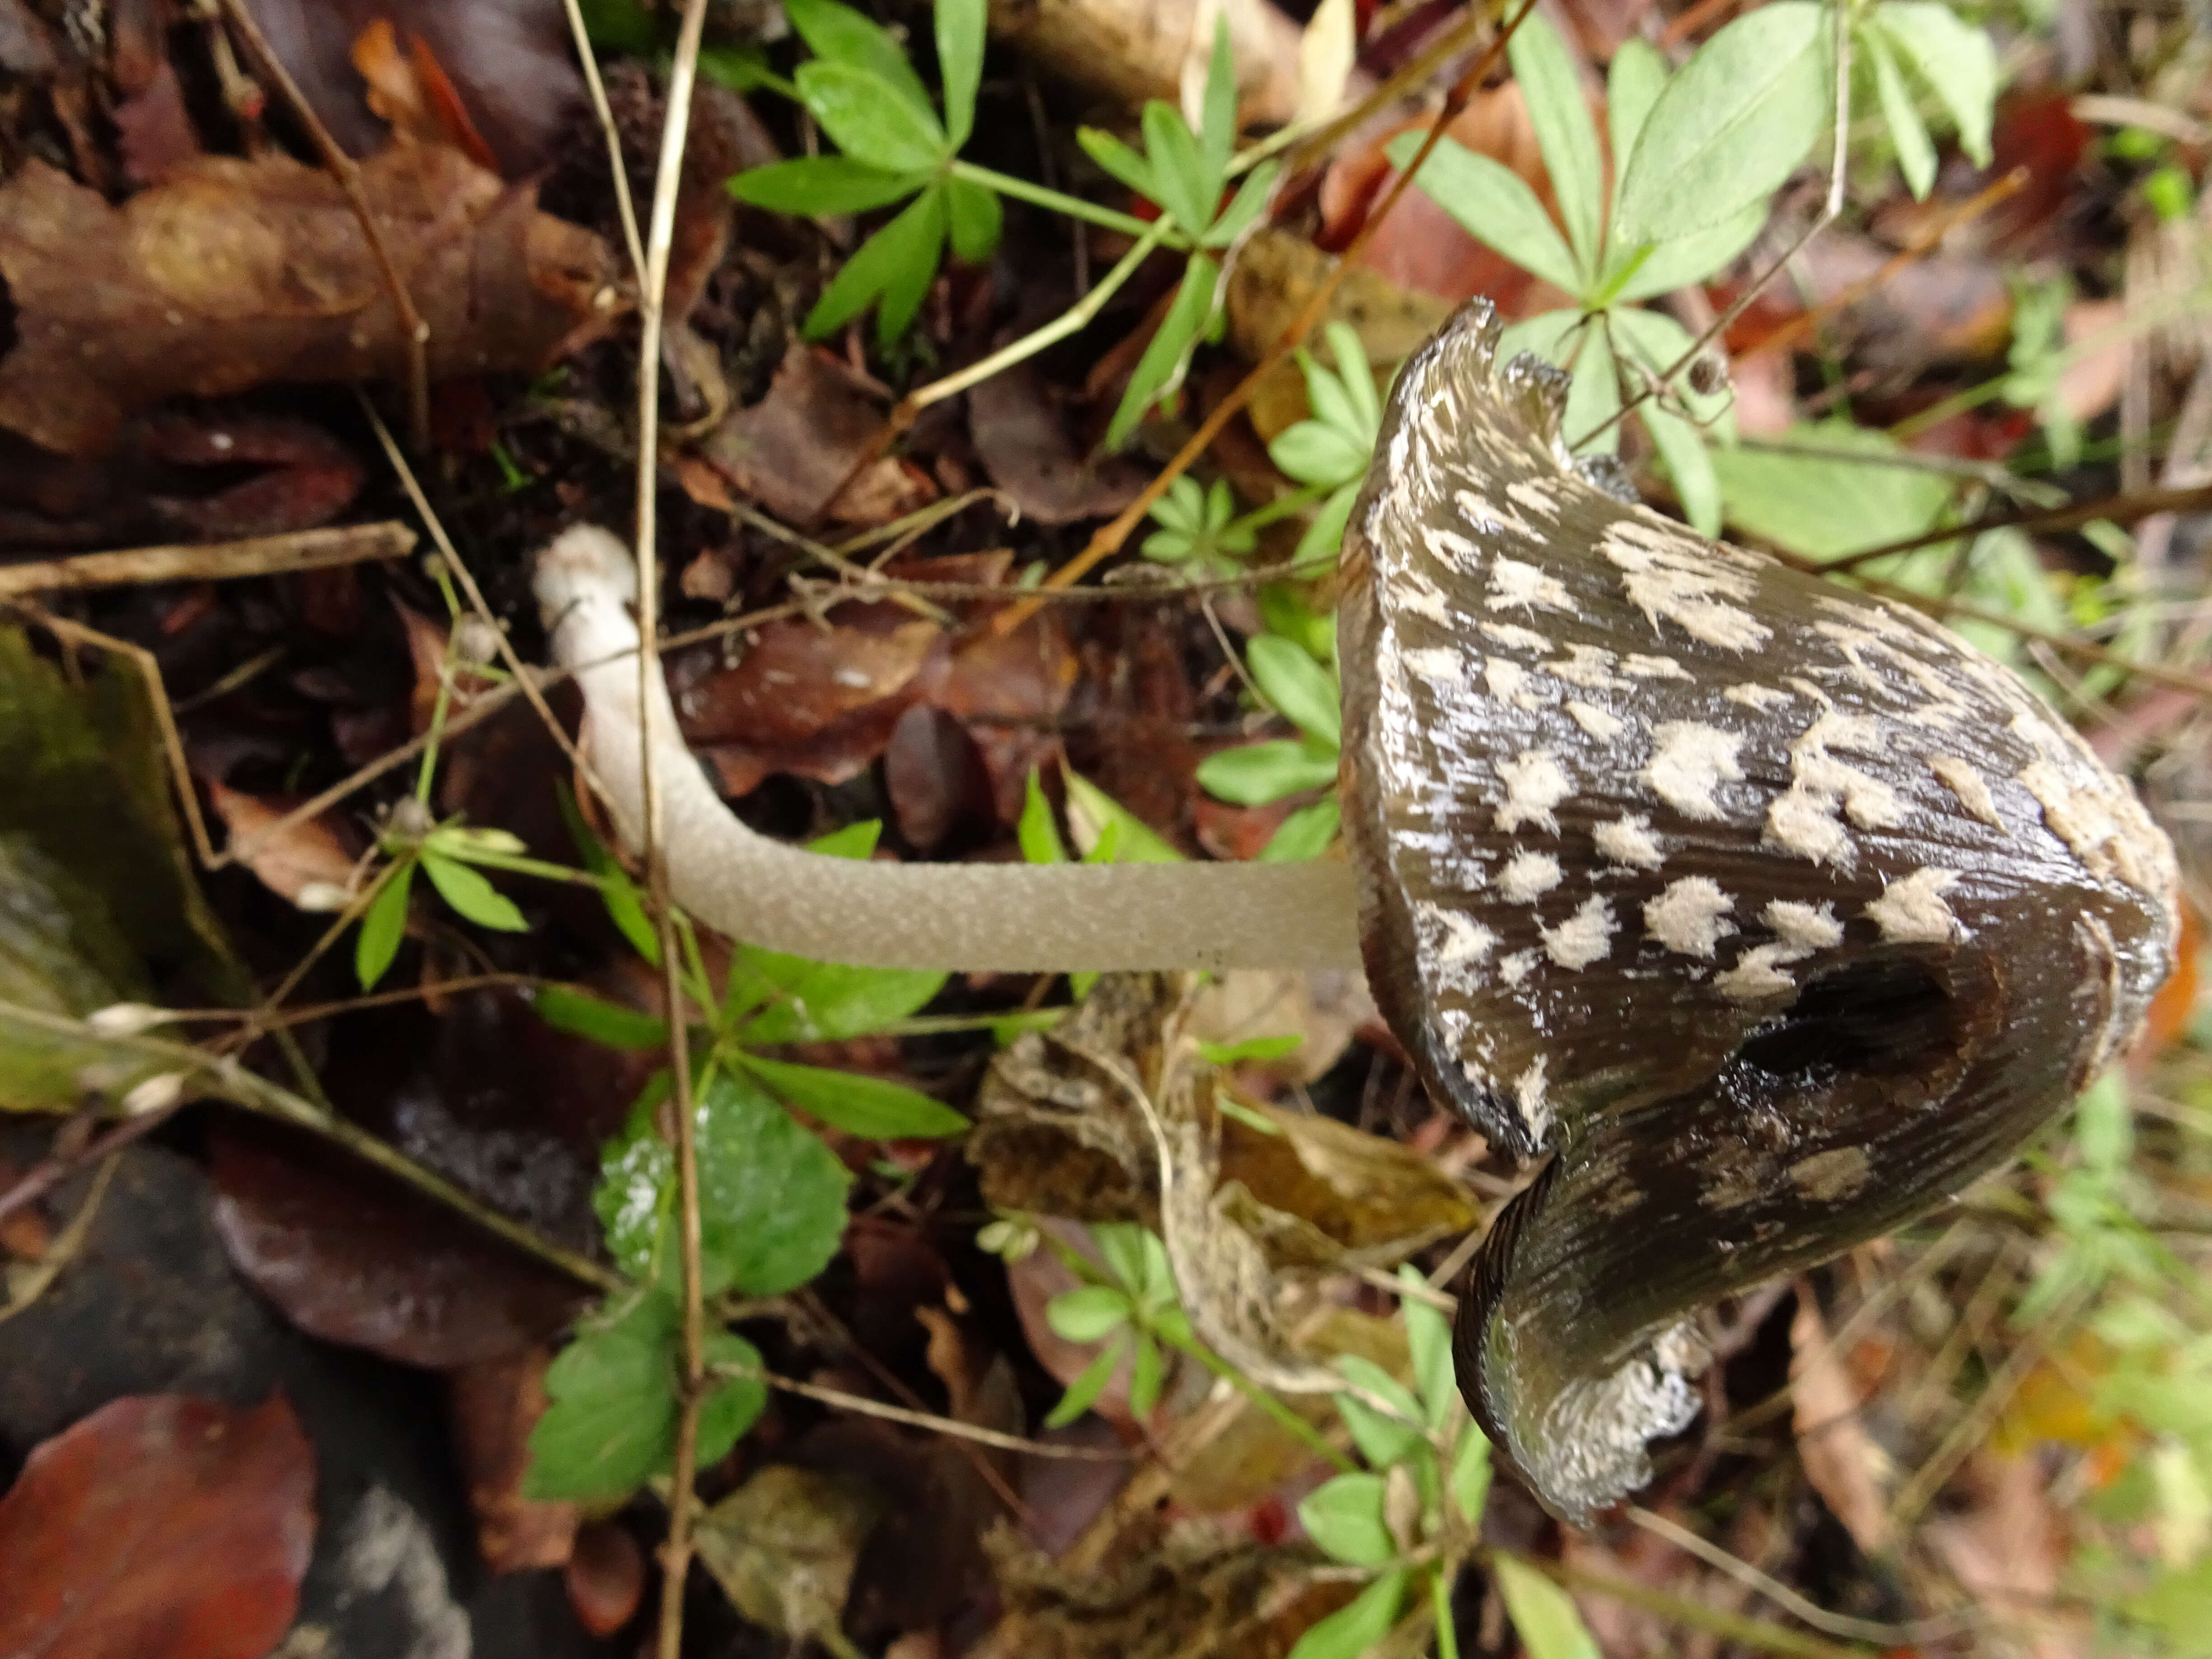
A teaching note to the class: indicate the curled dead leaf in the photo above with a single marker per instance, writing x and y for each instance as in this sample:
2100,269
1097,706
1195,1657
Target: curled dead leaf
790,451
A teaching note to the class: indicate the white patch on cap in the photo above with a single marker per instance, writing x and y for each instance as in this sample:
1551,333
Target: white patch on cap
1588,666
1528,877
1600,723
1758,974
2082,818
1512,583
1534,784
1674,580
1636,666
1912,912
1514,637
1806,928
1833,1176
1690,763
1436,662
1807,818
1969,786
1628,840
1453,938
1755,696
1528,1096
1582,938
1514,968
1535,496
1507,680
1687,917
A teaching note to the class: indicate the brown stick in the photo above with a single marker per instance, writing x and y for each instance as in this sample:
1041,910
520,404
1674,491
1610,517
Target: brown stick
2119,509
411,326
254,556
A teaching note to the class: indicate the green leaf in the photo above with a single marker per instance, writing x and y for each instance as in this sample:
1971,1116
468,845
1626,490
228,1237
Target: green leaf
815,186
1324,537
1429,1341
1260,1048
1306,834
1178,169
1689,463
1344,1517
1681,260
843,35
611,1425
1128,1249
1916,151
741,69
1257,773
1091,813
1037,833
1319,452
1088,1314
825,1002
896,263
1469,1479
1543,1614
772,1196
733,1405
1382,1440
1730,127
1364,415
856,839
1251,198
382,927
1553,93
1954,57
1298,688
1637,78
1117,158
580,1013
960,63
869,121
1358,1625
1159,372
1546,335
1491,205
625,905
1658,342
1088,1385
974,220
1824,508
1145,1373
1217,139
872,1107
469,893
1593,397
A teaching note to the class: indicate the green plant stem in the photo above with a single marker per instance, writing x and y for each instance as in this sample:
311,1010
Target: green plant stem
1282,506
428,769
1440,1588
1076,317
1073,206
1290,1422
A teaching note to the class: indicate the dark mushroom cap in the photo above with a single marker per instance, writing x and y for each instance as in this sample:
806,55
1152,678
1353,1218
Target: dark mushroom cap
1771,912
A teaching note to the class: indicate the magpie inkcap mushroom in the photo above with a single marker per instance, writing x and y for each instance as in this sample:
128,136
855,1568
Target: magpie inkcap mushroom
1767,913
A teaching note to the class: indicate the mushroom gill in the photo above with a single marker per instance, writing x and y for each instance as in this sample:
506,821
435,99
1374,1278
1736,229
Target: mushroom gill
1768,913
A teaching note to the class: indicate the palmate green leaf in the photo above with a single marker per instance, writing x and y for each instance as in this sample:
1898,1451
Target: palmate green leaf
1147,1368
469,893
1681,260
1318,452
873,1106
1382,1440
1429,1344
1729,127
1254,773
1306,834
1468,1479
1359,1624
1916,151
382,926
973,218
1087,1314
1088,1385
1251,198
960,62
1118,160
1549,334
1822,508
1553,94
895,265
1217,138
1543,1614
1325,535
821,1001
1633,84
1178,169
566,1008
816,186
1132,1254
1594,397
772,1196
1957,59
1344,1517
1490,202
1689,463
1657,341
1092,814
868,120
841,34
1159,372
1300,689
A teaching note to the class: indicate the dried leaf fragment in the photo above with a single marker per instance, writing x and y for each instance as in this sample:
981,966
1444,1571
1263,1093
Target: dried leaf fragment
232,273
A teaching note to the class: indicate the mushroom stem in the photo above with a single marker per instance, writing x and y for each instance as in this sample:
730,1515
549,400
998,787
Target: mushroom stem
1006,918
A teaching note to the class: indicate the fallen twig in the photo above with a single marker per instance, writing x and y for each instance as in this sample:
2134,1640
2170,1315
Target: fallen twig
213,561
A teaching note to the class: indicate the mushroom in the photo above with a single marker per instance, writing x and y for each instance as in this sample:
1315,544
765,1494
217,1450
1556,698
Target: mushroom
1765,912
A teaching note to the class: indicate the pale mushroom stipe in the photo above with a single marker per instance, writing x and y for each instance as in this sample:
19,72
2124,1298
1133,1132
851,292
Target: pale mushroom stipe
1767,913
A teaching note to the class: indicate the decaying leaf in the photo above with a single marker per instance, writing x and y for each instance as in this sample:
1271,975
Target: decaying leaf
496,1402
1841,1458
1112,1117
233,273
159,1527
784,1544
790,451
307,862
1323,1010
1026,447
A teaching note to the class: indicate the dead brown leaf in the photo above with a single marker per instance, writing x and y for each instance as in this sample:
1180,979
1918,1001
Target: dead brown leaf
496,1402
784,1546
411,93
233,273
314,854
1841,1458
790,451
2007,1549
1026,447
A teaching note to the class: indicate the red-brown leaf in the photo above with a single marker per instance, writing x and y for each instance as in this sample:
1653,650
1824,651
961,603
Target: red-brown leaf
161,1527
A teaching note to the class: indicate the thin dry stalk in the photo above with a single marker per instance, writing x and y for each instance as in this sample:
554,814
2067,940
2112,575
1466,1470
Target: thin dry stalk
211,562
